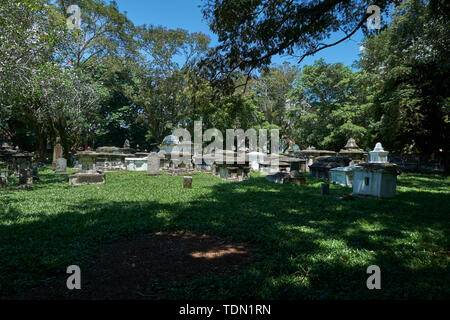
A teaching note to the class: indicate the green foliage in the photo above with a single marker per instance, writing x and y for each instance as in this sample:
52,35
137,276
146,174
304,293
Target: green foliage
328,106
408,64
252,32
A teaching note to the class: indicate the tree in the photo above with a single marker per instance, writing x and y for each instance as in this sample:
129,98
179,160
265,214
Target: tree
271,90
105,31
161,77
409,66
329,106
252,32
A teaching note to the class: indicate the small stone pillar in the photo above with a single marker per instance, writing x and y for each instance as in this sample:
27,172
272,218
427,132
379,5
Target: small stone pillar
187,182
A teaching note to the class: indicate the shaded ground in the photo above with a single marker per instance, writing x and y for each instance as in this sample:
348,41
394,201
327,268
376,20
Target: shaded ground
145,267
306,246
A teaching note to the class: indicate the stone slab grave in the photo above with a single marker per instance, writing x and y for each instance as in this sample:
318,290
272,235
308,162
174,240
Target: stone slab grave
87,177
88,174
153,164
343,176
378,178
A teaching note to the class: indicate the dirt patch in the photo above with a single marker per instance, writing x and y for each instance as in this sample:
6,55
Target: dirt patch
142,268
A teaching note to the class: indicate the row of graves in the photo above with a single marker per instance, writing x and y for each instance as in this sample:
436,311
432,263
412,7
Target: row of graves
369,174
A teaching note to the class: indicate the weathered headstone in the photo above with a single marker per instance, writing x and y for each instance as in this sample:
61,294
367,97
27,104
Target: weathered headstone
126,144
58,152
61,165
153,164
187,182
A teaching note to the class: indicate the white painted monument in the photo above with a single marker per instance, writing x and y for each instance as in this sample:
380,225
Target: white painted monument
378,155
378,178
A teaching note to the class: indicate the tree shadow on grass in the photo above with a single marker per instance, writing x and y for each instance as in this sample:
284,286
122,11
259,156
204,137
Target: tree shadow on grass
306,246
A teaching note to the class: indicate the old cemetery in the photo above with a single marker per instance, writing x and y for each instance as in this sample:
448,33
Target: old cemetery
222,149
145,225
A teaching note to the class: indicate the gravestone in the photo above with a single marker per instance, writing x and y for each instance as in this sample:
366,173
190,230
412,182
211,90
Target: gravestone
187,182
126,144
3,180
153,164
325,189
61,165
58,152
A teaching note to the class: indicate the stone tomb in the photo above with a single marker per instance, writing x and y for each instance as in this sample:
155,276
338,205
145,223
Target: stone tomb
343,176
352,151
378,180
3,179
230,168
23,165
88,173
311,154
321,168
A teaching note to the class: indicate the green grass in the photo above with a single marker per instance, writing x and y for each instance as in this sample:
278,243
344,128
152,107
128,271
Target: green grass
307,246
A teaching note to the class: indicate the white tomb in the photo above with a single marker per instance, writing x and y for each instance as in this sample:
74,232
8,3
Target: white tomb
136,164
343,175
375,180
378,178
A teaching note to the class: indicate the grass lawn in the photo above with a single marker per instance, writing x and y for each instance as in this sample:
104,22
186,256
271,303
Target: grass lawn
306,246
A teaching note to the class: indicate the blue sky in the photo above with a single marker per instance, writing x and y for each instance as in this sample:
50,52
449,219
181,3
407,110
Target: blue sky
186,14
